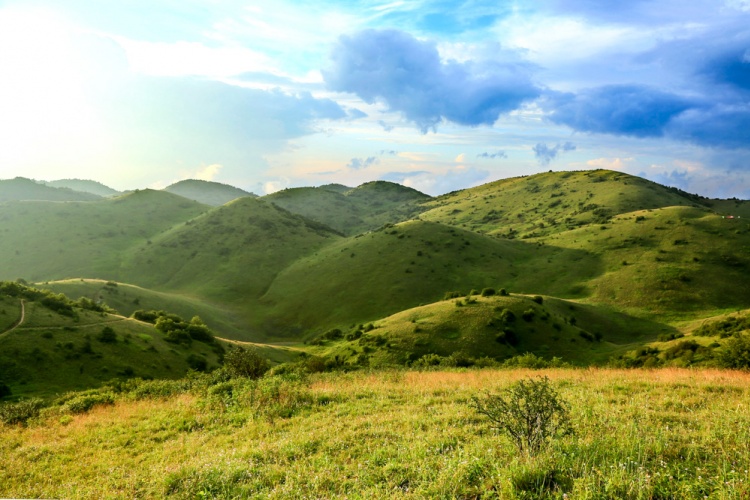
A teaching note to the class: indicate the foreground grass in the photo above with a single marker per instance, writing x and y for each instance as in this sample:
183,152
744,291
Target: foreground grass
667,433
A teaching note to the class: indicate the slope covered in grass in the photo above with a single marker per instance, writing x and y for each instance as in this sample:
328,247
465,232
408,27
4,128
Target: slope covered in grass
84,186
379,273
21,188
497,327
52,240
207,192
352,211
384,435
230,255
57,346
549,203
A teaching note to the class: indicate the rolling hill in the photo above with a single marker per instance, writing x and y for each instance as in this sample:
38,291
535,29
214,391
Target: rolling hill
22,189
207,192
84,186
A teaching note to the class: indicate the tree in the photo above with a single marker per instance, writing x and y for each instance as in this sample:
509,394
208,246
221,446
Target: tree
248,363
107,335
530,412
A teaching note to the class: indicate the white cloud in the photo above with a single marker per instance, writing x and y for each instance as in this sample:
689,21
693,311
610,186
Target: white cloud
610,163
208,173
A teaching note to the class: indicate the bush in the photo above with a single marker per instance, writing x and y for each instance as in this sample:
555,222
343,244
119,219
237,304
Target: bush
736,352
247,363
20,412
84,402
488,292
531,360
107,335
538,299
197,362
530,412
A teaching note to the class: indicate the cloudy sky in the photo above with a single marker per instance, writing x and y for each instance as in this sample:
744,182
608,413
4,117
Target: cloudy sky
437,95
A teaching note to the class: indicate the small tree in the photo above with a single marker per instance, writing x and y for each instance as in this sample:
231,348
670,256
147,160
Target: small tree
248,363
530,412
107,335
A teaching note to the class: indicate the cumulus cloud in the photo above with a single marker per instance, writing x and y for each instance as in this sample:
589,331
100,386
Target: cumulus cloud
435,183
609,163
385,126
208,173
632,110
360,163
408,76
545,154
492,156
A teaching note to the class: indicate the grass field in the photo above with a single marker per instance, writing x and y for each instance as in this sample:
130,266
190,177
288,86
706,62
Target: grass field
639,434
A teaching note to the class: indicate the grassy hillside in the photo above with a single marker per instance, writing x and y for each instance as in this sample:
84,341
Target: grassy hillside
84,186
49,345
500,327
352,211
229,256
550,203
26,189
373,275
126,299
638,434
42,241
207,192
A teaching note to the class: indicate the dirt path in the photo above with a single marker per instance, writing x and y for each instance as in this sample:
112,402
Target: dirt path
17,323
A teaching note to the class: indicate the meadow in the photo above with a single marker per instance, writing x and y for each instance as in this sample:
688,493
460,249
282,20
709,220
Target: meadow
667,433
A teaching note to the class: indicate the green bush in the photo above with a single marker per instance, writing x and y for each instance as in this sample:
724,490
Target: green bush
488,292
736,352
84,402
20,412
530,412
197,362
247,363
107,335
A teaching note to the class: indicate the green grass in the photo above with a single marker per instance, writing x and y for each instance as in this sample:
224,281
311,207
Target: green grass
50,353
638,434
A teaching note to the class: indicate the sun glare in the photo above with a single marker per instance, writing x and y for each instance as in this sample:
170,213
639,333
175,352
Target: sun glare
45,114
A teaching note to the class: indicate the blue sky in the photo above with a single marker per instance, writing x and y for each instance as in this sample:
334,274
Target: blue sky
437,95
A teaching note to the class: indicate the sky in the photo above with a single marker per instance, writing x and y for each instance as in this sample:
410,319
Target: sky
436,95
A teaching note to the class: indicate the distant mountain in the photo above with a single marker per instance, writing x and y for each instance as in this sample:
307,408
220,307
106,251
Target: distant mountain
22,189
352,210
84,186
207,192
43,240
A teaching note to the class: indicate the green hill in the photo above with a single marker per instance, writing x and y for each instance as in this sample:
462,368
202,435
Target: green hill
498,327
26,189
229,255
84,186
49,345
550,203
42,241
369,276
207,192
352,211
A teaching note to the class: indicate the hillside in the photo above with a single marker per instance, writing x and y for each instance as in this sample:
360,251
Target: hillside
50,345
229,255
352,211
498,327
550,203
207,192
84,186
21,189
366,277
51,240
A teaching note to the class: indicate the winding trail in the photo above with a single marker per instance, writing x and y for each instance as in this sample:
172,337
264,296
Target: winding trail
19,322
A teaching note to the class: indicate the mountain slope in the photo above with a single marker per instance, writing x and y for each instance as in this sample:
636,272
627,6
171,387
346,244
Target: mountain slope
50,240
84,186
19,189
207,192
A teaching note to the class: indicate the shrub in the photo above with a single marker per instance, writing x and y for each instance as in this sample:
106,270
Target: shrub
20,412
538,299
736,352
531,360
528,314
503,292
247,363
530,412
197,362
488,292
107,335
84,402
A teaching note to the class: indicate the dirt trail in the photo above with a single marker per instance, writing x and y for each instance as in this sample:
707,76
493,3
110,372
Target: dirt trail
19,322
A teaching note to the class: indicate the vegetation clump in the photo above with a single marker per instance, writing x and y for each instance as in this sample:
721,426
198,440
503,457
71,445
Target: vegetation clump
240,362
531,413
